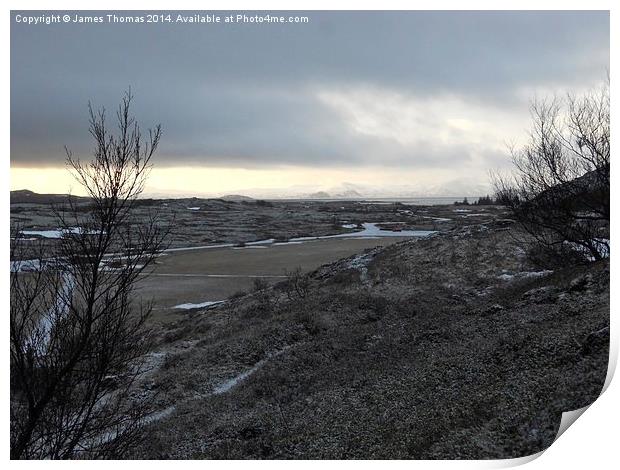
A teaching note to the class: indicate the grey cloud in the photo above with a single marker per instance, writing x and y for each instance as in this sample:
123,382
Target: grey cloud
241,95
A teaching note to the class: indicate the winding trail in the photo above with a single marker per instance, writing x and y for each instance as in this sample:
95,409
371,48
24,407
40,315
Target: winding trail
220,389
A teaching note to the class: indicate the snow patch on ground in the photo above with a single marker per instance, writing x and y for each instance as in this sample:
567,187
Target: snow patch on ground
218,390
111,268
268,241
44,233
190,306
58,233
247,247
229,384
159,415
26,265
523,275
602,246
360,263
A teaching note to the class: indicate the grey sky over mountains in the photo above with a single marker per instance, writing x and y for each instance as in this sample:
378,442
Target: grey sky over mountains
348,88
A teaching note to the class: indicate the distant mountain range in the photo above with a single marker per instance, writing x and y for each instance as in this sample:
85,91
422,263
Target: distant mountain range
349,194
345,190
458,188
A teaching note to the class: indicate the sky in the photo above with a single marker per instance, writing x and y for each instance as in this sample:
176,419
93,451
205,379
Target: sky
409,103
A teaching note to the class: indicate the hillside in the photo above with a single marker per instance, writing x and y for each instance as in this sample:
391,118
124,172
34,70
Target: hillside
453,346
236,197
25,196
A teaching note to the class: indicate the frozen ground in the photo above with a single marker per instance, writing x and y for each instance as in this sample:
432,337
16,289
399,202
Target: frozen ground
443,347
214,222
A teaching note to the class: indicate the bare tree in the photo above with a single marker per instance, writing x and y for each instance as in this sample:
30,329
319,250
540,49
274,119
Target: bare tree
559,190
77,335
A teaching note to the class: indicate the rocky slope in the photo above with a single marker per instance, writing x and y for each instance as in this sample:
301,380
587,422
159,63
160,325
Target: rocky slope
449,347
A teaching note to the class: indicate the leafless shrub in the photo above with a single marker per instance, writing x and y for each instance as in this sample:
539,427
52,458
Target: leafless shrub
310,319
260,284
559,191
266,300
76,335
296,285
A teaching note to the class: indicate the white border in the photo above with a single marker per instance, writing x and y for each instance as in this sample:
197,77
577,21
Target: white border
591,442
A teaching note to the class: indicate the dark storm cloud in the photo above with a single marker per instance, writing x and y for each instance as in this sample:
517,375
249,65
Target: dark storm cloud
246,95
